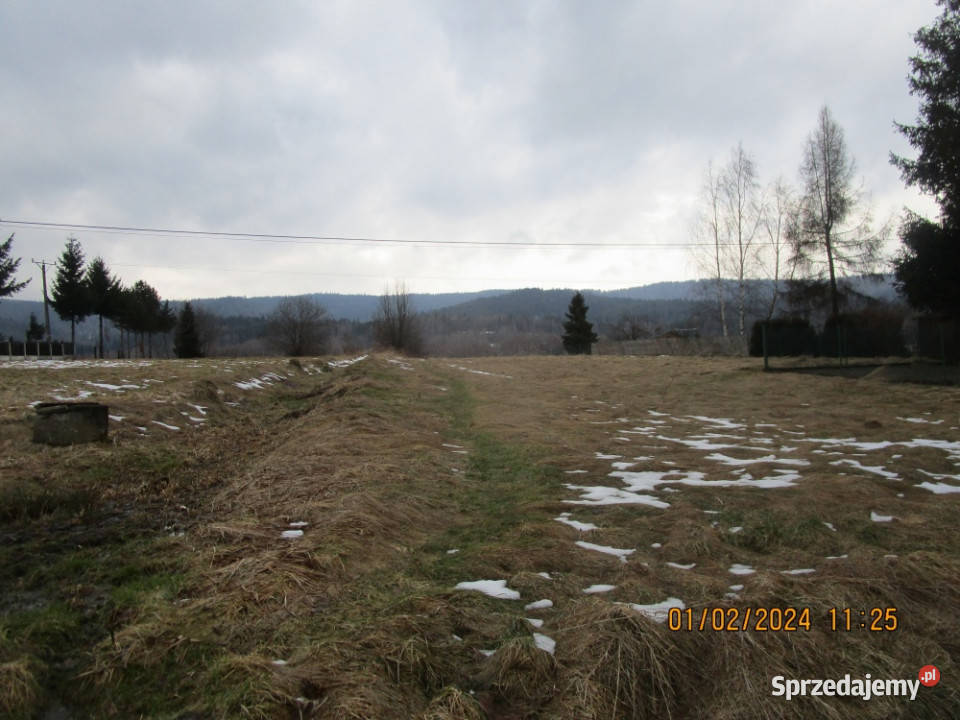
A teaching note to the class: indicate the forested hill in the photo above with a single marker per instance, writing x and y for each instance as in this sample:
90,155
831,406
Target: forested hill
341,307
534,303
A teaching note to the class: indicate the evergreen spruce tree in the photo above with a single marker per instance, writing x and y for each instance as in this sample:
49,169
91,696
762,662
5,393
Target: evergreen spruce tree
186,341
578,336
927,267
35,331
8,266
70,296
104,290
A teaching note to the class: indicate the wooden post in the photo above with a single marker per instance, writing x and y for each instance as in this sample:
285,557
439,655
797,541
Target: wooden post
766,357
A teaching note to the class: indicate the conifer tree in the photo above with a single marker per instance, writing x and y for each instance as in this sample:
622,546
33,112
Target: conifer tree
35,330
927,267
104,291
8,266
70,296
186,341
578,336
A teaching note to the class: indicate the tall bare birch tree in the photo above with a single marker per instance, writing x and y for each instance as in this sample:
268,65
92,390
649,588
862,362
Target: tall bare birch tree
778,222
728,228
711,230
743,211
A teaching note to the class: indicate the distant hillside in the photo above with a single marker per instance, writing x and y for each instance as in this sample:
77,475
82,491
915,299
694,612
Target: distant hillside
665,305
341,307
680,290
604,307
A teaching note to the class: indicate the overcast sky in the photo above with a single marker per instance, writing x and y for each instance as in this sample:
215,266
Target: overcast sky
428,121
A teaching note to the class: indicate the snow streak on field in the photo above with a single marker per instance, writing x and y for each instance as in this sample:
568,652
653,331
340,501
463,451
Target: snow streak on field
761,456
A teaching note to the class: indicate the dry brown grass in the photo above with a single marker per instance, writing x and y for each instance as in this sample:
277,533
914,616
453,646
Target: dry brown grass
361,608
18,686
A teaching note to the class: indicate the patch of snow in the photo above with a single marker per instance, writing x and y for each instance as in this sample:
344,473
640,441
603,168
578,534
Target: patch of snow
602,456
291,534
706,444
798,571
599,589
678,566
539,604
545,575
164,425
920,420
576,524
875,469
115,388
116,418
575,472
621,553
735,529
346,363
830,525
773,459
725,423
453,551
544,643
536,622
623,465
81,395
480,372
656,546
736,588
877,517
602,495
740,569
298,524
838,557
940,488
493,588
940,476
659,611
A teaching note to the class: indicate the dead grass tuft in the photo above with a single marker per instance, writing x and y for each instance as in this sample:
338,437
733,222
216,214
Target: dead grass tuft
19,690
519,670
451,703
620,664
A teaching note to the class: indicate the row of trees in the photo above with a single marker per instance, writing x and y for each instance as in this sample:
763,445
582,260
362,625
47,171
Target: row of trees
820,230
80,290
813,234
301,326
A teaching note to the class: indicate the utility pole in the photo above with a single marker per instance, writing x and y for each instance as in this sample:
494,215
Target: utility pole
46,310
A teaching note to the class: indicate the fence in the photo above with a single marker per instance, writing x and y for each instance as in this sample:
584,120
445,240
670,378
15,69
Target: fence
35,348
939,338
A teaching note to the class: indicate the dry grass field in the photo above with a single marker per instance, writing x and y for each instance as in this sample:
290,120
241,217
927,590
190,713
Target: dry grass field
270,539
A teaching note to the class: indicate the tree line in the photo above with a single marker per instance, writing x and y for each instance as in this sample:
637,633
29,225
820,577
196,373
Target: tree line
807,237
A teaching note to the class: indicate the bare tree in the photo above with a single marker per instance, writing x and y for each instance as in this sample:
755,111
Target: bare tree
824,242
729,224
712,234
299,326
395,324
742,204
779,222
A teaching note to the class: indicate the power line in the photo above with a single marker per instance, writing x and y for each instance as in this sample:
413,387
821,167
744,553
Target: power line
338,239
